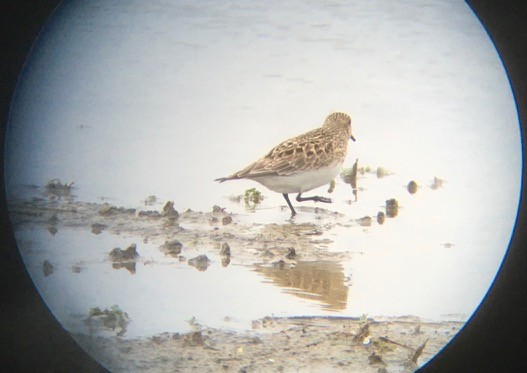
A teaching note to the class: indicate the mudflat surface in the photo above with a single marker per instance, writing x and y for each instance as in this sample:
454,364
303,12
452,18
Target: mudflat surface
271,344
264,243
282,344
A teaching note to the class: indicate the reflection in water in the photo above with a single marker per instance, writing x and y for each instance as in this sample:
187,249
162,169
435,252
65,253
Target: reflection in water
225,254
130,266
318,280
52,227
124,258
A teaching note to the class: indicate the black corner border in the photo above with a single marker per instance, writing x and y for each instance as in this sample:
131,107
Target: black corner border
494,339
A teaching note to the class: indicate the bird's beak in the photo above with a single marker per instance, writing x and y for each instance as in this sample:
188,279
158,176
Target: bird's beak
353,138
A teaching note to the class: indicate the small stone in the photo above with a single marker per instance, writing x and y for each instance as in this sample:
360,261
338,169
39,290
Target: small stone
392,208
129,254
216,209
76,269
47,267
201,262
226,220
412,187
173,247
291,254
97,228
169,211
365,221
381,217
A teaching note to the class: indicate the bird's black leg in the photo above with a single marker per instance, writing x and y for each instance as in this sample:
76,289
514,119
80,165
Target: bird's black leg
293,212
299,198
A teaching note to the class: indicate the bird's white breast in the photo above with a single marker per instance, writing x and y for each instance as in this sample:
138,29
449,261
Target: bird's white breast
300,182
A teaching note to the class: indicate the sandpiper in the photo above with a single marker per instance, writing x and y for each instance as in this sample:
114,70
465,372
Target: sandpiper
304,162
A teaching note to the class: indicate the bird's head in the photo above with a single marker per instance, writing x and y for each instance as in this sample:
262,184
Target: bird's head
339,121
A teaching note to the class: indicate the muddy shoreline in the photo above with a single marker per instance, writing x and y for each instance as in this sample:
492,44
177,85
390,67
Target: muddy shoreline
265,243
379,344
317,344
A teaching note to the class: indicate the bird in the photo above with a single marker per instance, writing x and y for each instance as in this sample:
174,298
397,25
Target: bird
304,162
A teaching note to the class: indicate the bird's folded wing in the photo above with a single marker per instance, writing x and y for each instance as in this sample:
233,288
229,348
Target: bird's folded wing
284,159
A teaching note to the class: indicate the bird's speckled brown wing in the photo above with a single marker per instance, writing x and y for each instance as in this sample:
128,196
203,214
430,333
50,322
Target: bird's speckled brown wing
307,151
322,147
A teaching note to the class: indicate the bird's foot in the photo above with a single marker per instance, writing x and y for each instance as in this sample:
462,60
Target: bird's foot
299,198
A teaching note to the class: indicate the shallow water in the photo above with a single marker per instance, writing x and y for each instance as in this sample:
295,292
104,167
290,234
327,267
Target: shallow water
136,99
386,272
163,294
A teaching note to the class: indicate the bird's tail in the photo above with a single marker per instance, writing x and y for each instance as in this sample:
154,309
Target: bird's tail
222,179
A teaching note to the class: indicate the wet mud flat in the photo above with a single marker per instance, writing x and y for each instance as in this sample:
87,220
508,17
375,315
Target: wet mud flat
301,343
282,344
217,231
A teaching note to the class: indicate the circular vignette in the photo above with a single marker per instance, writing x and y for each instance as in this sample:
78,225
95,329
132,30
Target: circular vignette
488,339
32,339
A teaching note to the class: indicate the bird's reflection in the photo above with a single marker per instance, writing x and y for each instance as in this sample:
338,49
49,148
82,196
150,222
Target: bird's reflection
316,280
